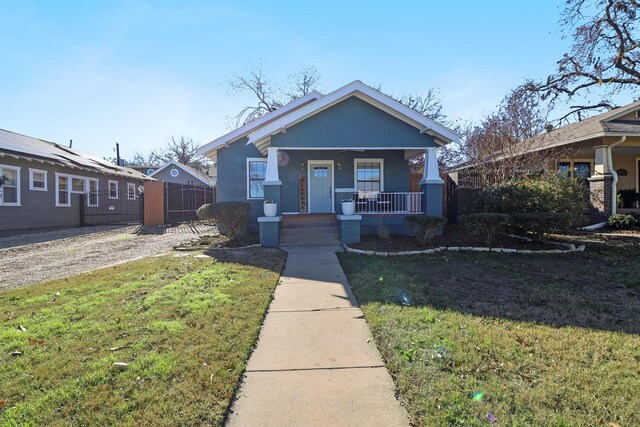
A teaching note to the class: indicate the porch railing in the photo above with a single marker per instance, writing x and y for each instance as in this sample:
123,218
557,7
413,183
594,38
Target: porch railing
375,202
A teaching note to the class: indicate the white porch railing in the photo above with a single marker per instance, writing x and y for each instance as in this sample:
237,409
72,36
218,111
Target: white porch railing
375,202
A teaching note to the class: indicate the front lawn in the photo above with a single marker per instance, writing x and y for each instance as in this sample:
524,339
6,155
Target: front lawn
183,325
509,339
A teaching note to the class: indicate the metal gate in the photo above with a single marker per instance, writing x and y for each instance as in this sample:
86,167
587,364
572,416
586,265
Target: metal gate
106,207
183,200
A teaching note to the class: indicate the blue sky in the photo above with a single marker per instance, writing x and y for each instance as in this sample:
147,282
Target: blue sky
138,72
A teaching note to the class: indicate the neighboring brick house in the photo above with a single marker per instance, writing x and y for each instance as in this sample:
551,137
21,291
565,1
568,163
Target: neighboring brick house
44,181
604,150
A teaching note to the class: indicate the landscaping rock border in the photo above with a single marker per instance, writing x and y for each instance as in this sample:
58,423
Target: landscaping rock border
568,247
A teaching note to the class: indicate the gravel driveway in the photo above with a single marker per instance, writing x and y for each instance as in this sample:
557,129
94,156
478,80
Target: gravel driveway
37,257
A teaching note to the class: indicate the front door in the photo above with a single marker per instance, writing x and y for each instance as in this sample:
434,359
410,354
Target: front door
320,186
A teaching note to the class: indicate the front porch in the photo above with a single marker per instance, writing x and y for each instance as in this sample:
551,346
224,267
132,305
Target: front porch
308,186
611,166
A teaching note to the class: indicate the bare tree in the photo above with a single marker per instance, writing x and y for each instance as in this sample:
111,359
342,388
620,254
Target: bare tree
509,142
182,150
429,104
268,98
604,55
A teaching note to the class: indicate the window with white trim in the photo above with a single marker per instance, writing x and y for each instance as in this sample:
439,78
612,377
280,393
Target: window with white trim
256,174
131,191
78,185
37,180
63,190
113,189
92,193
10,190
369,175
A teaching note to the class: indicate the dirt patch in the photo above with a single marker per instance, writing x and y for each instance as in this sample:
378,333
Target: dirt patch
39,257
218,241
451,236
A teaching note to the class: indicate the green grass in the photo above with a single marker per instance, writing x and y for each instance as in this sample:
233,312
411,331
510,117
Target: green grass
538,340
187,326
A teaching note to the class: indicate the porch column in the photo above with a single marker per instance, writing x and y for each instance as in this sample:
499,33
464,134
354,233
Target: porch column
600,187
431,184
272,183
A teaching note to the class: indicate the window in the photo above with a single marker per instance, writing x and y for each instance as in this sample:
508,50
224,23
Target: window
575,169
92,197
256,173
637,114
131,191
320,172
369,175
174,172
113,189
10,190
63,193
37,180
77,185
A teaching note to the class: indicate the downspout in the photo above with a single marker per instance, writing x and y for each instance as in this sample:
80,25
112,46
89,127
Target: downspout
614,174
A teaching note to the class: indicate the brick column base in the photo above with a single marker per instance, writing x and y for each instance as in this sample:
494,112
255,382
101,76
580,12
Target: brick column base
349,228
269,231
600,192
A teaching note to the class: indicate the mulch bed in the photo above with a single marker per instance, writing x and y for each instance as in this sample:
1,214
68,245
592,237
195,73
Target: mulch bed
451,236
218,242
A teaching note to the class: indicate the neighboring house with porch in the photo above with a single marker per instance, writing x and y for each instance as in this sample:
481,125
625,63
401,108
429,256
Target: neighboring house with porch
604,150
309,155
45,182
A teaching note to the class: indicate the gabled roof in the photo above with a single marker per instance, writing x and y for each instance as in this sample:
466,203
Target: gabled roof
260,130
33,149
424,124
606,124
260,121
191,171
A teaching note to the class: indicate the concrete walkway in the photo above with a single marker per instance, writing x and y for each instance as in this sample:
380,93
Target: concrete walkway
315,363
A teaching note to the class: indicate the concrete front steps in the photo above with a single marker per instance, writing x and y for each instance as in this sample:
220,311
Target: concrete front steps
309,230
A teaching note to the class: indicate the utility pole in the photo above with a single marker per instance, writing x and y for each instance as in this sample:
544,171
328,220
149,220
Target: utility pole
70,143
117,154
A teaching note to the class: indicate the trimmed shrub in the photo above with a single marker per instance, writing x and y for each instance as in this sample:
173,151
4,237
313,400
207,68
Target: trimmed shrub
424,228
622,221
232,218
546,193
487,225
542,224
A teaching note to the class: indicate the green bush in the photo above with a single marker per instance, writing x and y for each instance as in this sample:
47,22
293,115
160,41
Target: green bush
542,224
232,218
623,221
547,193
487,225
424,228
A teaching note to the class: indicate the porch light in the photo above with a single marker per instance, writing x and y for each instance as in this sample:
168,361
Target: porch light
339,166
302,166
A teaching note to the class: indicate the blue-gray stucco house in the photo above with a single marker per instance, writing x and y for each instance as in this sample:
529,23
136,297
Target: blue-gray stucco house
351,144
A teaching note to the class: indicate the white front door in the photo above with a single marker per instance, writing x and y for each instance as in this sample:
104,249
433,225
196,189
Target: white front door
320,186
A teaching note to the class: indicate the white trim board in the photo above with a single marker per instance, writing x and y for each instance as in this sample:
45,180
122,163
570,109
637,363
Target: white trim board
368,94
331,191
